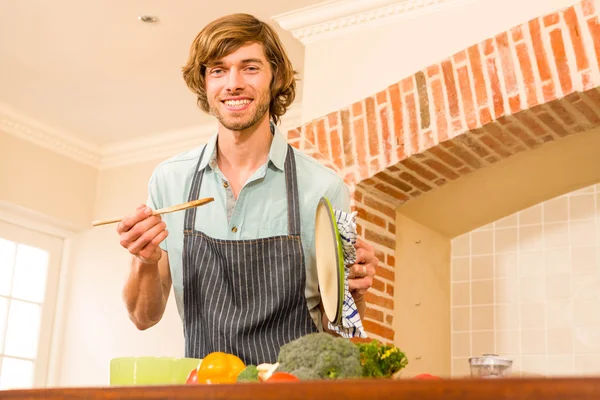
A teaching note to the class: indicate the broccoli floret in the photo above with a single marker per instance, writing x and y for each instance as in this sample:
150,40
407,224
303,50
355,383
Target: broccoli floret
249,374
320,356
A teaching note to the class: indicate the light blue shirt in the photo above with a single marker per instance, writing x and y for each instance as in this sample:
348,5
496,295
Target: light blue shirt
260,210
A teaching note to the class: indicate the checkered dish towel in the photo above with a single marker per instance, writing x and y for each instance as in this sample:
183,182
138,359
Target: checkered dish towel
351,324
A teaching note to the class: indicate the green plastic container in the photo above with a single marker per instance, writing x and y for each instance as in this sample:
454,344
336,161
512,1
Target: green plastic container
135,371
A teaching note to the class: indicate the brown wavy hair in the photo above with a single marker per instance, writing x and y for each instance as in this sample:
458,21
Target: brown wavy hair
225,35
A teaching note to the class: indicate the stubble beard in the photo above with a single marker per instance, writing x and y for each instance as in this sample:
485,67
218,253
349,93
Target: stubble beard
261,104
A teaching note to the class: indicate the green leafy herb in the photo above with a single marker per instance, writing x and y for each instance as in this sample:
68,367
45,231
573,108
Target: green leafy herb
381,360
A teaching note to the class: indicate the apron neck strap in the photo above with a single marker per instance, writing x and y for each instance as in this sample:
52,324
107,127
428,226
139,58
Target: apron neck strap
190,213
291,183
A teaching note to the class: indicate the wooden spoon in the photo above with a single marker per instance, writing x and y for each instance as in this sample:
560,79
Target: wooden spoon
166,210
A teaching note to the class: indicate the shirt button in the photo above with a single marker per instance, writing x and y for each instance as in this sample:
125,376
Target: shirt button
234,229
225,184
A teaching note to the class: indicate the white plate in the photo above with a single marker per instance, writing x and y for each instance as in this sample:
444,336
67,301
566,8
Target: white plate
330,261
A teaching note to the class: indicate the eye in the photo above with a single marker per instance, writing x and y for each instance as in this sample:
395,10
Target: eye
217,71
252,69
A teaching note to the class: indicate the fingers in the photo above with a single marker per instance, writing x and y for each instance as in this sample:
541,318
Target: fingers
142,212
362,244
361,271
365,253
149,239
360,284
360,278
139,229
149,253
363,256
141,233
361,274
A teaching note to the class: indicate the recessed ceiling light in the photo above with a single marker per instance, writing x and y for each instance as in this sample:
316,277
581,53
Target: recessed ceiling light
148,18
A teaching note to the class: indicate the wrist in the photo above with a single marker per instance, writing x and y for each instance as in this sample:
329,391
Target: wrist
358,296
360,302
144,266
152,260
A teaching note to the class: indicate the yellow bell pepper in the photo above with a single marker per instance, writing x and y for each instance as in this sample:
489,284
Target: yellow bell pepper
219,367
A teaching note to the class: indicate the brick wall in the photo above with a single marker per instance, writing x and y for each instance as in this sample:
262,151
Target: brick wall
376,222
533,84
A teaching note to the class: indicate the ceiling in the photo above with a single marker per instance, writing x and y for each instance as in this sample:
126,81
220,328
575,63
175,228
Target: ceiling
92,70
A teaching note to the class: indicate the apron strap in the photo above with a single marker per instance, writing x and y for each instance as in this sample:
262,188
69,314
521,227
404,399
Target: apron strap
291,183
190,213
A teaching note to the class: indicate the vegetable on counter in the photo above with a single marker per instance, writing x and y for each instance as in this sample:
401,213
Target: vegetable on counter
427,377
192,378
249,374
282,377
217,367
320,356
380,360
265,371
316,356
323,356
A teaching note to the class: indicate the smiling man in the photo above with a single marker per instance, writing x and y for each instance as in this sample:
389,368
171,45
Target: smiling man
242,267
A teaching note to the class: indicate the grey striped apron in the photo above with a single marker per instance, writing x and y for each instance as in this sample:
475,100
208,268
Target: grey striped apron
244,297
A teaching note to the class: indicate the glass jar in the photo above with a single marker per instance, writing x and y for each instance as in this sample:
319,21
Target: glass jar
490,366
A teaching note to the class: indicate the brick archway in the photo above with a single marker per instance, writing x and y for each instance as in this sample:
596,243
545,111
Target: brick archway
533,84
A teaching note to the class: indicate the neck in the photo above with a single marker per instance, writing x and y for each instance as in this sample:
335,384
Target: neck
244,151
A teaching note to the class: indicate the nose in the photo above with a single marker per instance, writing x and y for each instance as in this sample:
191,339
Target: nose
235,81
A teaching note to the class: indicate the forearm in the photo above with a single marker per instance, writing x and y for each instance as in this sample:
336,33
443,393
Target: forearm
361,306
143,294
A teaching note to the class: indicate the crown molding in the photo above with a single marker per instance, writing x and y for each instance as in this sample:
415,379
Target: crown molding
160,146
24,127
339,17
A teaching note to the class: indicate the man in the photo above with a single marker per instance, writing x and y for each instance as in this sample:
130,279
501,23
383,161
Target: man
243,266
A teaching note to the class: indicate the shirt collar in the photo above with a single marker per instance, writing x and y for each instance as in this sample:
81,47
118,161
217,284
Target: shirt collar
277,153
279,147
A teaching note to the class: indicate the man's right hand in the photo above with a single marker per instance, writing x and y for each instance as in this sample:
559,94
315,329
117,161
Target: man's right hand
141,234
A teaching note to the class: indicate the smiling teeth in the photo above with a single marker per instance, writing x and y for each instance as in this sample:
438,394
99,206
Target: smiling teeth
237,103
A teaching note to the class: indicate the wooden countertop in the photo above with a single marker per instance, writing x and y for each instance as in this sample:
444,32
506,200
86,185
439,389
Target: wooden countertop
454,389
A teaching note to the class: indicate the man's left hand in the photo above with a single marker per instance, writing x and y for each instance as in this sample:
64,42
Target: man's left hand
360,278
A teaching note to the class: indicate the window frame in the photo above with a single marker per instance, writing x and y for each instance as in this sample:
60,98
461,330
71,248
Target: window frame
48,361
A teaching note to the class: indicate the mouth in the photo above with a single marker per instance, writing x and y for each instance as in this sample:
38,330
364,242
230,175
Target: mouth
237,105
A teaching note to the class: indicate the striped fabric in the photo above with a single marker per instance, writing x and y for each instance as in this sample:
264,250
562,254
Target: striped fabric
245,297
350,324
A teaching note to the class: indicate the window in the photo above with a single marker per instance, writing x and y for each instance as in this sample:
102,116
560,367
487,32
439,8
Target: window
29,271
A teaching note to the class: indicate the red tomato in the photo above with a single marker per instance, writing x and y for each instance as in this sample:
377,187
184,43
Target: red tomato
427,377
282,377
192,377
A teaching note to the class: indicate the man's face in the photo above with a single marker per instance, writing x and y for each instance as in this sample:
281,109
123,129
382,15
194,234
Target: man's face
238,87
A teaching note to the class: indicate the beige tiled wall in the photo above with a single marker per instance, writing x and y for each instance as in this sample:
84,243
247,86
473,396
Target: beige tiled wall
527,287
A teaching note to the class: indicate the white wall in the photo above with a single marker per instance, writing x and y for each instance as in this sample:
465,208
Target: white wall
97,328
341,70
46,183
